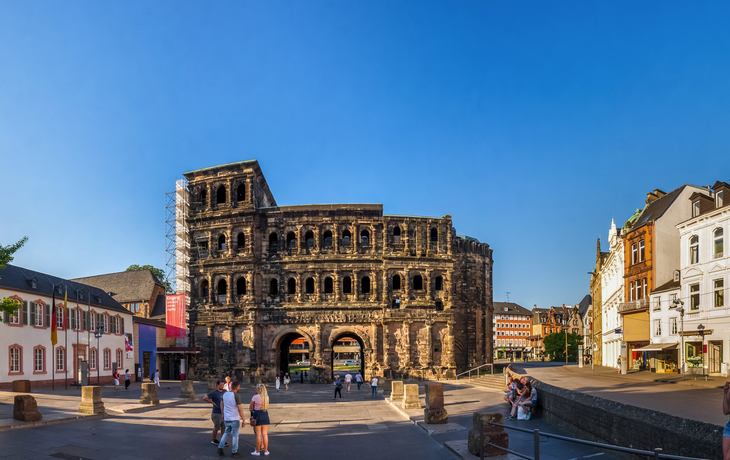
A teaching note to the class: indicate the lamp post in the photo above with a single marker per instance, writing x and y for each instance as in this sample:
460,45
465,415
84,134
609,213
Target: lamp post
678,305
701,332
98,333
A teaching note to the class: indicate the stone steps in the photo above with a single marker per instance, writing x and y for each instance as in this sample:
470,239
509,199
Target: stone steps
491,382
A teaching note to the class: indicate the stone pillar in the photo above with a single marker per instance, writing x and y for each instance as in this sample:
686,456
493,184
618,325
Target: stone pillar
374,341
210,288
492,434
229,289
427,285
407,342
186,389
208,197
212,384
435,413
407,286
149,394
91,402
479,318
25,408
451,359
396,392
300,240
318,344
386,348
448,238
355,238
230,242
301,287
405,238
410,400
385,297
429,344
355,292
337,287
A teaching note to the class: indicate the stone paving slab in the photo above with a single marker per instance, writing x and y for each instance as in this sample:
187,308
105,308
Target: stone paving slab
461,450
441,428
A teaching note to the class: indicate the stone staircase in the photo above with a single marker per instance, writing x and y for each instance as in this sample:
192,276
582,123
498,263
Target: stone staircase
490,382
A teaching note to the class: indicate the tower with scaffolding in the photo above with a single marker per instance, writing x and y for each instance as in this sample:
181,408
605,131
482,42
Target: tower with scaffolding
177,238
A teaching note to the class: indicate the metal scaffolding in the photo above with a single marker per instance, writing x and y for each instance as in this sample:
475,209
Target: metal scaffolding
177,238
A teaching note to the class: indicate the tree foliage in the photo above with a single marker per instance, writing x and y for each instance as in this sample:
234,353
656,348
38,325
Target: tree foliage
159,274
555,346
6,256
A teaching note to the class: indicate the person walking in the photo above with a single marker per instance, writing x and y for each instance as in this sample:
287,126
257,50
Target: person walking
287,380
338,387
127,379
116,379
215,397
358,379
260,419
726,431
278,383
232,418
374,385
348,380
618,363
227,385
157,377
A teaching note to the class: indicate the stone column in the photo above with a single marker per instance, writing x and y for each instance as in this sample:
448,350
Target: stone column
316,248
374,341
355,292
384,297
404,236
208,197
91,402
355,238
318,344
448,239
230,242
407,341
386,346
429,344
427,284
336,282
435,413
210,288
336,239
300,240
229,289
230,193
317,287
451,359
407,286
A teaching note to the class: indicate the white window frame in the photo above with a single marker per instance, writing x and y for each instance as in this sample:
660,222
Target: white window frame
92,326
40,315
120,358
16,355
107,359
718,292
657,327
634,253
696,208
60,359
715,239
694,250
694,296
673,326
93,358
106,324
641,250
37,361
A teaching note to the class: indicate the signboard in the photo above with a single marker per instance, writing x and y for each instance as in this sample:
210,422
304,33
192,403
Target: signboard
175,316
128,345
617,331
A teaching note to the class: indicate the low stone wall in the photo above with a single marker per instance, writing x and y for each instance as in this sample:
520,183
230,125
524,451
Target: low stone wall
629,426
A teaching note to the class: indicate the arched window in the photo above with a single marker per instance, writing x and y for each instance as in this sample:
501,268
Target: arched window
309,239
365,285
719,243
273,242
434,235
273,287
396,234
204,196
328,286
241,286
222,287
309,285
418,283
241,240
346,238
694,250
204,288
438,283
241,193
120,358
221,195
327,239
396,282
365,238
291,240
222,242
347,285
93,358
292,286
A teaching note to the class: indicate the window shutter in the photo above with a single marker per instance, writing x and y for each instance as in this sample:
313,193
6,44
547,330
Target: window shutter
6,317
25,312
99,320
121,326
85,320
47,308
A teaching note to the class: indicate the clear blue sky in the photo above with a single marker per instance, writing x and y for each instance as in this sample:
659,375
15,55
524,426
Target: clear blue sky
532,123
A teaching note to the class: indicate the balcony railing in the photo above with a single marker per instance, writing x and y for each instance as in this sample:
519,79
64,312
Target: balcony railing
633,305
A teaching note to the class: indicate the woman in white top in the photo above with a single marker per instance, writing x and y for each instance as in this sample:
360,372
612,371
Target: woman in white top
278,383
260,419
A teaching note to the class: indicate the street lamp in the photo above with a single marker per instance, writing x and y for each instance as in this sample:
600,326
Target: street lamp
701,332
98,333
678,305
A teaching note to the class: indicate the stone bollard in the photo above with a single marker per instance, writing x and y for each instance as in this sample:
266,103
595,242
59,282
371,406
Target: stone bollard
186,390
411,400
25,409
91,402
435,413
212,384
149,394
396,392
21,386
492,434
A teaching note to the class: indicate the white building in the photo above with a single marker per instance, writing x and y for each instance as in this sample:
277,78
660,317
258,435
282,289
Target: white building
27,335
664,321
612,294
704,280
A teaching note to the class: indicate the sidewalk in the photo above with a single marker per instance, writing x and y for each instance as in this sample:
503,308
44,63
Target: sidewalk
689,398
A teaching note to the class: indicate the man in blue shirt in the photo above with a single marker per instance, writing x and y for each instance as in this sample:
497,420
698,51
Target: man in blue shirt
215,397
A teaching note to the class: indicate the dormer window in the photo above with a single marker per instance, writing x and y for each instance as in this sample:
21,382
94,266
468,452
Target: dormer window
719,198
696,208
33,283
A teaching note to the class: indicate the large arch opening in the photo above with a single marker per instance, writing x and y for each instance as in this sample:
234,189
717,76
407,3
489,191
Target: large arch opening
348,355
294,356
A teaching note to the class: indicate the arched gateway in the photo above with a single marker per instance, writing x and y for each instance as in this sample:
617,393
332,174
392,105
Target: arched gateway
326,285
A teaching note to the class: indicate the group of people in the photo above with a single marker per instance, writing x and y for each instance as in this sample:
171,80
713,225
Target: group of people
348,381
520,394
127,379
227,416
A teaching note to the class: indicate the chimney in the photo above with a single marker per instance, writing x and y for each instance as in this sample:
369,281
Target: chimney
651,197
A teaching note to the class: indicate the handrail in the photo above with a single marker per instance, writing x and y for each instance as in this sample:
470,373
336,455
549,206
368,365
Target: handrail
476,368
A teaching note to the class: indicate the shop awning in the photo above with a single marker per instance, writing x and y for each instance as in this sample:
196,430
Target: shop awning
657,347
528,349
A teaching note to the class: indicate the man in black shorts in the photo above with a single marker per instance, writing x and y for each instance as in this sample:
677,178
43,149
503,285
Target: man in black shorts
215,397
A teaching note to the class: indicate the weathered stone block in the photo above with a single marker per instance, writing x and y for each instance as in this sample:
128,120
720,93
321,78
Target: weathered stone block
435,413
25,409
492,434
396,392
411,400
149,394
212,384
21,386
91,402
186,389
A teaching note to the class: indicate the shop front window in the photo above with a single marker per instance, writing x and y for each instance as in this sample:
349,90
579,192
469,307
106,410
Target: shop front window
694,354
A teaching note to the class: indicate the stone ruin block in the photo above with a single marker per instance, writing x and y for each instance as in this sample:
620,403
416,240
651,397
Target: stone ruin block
91,402
149,394
21,386
186,389
492,434
25,409
411,400
212,384
435,413
396,392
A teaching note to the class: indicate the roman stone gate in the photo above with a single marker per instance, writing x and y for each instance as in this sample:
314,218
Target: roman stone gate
272,286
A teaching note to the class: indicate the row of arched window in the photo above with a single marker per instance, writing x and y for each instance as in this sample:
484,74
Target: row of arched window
221,194
718,248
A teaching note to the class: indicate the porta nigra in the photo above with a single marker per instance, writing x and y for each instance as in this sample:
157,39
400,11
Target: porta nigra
416,296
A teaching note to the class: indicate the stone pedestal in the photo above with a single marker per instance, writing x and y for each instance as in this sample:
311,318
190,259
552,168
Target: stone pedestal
149,394
186,390
91,402
492,434
396,392
212,384
25,408
411,400
435,413
21,386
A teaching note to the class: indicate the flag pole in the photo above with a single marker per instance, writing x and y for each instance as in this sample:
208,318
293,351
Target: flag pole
88,337
53,345
78,371
65,338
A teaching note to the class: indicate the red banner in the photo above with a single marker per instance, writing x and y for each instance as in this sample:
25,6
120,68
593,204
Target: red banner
175,316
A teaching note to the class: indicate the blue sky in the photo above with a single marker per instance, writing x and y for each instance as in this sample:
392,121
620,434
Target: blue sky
532,123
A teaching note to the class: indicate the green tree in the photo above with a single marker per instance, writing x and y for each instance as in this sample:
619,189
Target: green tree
555,346
159,274
6,256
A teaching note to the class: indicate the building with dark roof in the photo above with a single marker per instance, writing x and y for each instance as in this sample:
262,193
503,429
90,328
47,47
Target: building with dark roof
511,326
139,291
